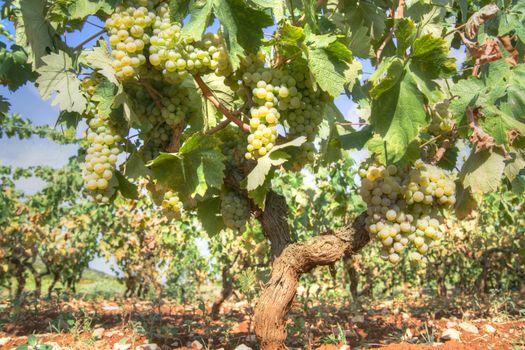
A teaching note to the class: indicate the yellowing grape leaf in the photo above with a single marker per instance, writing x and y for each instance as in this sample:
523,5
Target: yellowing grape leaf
482,172
58,76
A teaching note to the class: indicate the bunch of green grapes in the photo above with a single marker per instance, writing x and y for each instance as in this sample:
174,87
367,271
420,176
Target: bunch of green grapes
429,185
171,202
305,114
176,56
395,217
270,90
176,104
129,27
233,144
156,136
235,211
102,154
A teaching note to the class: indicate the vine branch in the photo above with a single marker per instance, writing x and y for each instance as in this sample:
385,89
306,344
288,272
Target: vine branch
208,94
79,46
397,14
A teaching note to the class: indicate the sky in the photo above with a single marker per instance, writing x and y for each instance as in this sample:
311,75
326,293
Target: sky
35,151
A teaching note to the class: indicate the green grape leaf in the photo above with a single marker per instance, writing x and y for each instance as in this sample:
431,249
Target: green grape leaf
135,167
516,93
516,166
259,194
310,13
57,75
430,55
209,214
37,30
465,202
368,14
223,92
328,70
467,92
128,189
319,41
122,99
100,59
405,35
360,44
242,26
81,9
394,72
398,115
329,134
105,96
518,185
339,50
356,139
273,158
498,124
290,35
482,172
14,69
179,9
196,167
277,7
200,15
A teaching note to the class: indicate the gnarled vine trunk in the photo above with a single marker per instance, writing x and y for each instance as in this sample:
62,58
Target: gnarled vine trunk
291,261
226,292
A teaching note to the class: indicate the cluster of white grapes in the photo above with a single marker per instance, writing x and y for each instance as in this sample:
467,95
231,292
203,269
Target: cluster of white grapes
305,119
235,211
129,27
280,95
176,56
172,203
272,91
403,207
102,154
142,31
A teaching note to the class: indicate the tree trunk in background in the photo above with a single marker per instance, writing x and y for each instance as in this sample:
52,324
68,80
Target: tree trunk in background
51,287
291,261
20,285
353,277
37,276
226,292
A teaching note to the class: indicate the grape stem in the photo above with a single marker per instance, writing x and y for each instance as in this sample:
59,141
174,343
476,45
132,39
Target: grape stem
208,94
94,36
351,124
397,14
154,94
219,127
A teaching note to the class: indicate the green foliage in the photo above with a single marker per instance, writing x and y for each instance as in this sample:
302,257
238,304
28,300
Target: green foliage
163,94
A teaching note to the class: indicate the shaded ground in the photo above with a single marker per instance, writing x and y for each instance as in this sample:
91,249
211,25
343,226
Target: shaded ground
394,325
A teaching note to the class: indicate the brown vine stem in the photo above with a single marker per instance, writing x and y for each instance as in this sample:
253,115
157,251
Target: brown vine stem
399,13
153,93
208,94
219,127
440,153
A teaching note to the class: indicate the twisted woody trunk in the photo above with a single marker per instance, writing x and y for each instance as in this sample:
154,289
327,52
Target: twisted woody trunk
291,260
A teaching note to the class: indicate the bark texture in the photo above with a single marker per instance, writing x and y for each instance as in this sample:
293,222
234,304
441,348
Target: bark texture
295,260
274,220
